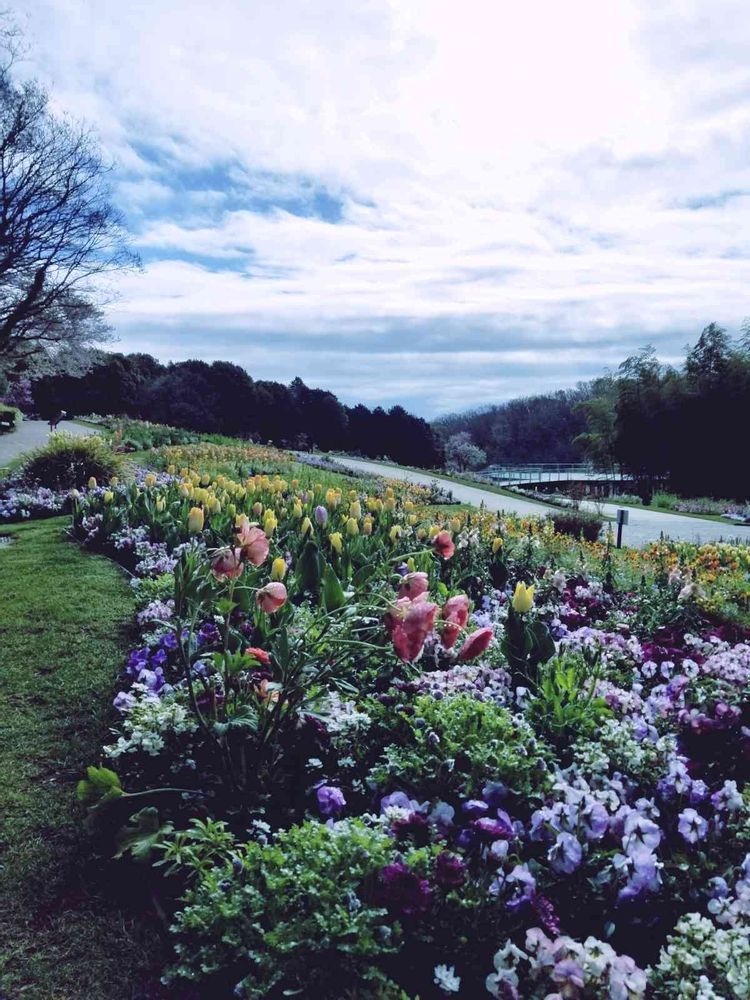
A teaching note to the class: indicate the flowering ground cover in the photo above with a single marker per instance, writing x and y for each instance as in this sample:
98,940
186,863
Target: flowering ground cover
367,747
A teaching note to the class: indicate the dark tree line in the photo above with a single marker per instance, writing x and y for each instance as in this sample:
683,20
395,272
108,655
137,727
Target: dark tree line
685,428
532,429
222,398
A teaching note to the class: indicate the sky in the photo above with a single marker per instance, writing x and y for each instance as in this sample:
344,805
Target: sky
435,203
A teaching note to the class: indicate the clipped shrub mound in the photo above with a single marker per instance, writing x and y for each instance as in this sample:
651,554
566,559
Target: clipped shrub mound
67,462
577,523
10,417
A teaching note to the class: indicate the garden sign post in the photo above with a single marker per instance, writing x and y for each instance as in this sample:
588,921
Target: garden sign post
622,518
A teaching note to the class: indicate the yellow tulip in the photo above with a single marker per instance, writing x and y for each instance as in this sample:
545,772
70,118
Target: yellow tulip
278,569
196,519
432,531
395,533
114,481
297,510
456,523
389,491
497,544
337,543
408,506
411,565
184,490
355,509
389,504
150,480
352,526
257,508
421,533
306,527
214,506
523,598
170,470
269,523
92,483
367,526
412,519
109,496
161,503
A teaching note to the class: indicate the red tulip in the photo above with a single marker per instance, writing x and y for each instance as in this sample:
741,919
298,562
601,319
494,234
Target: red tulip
409,623
476,644
258,654
455,614
254,544
412,585
271,597
442,543
228,564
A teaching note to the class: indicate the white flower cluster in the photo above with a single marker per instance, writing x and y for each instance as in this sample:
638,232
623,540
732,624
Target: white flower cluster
703,962
150,720
564,967
343,720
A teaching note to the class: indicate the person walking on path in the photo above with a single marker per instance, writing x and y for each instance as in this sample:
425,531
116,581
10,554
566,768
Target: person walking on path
54,421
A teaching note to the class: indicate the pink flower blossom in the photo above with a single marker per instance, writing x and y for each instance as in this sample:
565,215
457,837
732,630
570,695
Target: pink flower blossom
271,597
476,644
254,544
455,614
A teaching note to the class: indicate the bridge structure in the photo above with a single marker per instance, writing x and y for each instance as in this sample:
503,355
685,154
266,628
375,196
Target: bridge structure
554,475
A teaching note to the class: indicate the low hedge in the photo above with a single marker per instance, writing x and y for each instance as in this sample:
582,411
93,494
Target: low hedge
577,523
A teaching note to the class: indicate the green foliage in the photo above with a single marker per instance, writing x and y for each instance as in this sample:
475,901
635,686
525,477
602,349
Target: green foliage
565,705
142,435
67,462
10,417
577,523
98,787
142,835
289,917
527,643
456,744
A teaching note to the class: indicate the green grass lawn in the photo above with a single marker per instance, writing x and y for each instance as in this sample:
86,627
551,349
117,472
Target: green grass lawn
63,616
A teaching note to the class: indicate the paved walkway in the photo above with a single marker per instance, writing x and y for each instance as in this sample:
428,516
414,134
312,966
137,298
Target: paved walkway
32,433
645,525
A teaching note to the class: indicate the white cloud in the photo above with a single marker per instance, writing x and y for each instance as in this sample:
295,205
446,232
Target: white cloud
513,178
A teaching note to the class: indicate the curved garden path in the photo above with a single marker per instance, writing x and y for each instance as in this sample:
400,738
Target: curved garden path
32,433
645,525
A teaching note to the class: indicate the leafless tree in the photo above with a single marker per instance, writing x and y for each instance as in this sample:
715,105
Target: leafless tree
59,231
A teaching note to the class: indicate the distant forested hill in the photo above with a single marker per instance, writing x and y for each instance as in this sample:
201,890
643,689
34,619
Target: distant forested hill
531,429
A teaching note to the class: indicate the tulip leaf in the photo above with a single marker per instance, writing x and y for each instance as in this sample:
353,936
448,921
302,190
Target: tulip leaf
333,593
310,567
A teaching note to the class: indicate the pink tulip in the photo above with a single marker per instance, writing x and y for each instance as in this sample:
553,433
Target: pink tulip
254,544
455,614
442,543
476,644
271,597
409,623
228,564
412,585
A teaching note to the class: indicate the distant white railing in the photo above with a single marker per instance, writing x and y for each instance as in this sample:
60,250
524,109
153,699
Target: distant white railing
550,472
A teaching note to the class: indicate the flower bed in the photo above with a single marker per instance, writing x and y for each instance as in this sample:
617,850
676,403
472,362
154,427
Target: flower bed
375,753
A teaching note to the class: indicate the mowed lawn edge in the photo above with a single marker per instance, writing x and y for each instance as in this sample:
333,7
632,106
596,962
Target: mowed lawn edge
64,616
